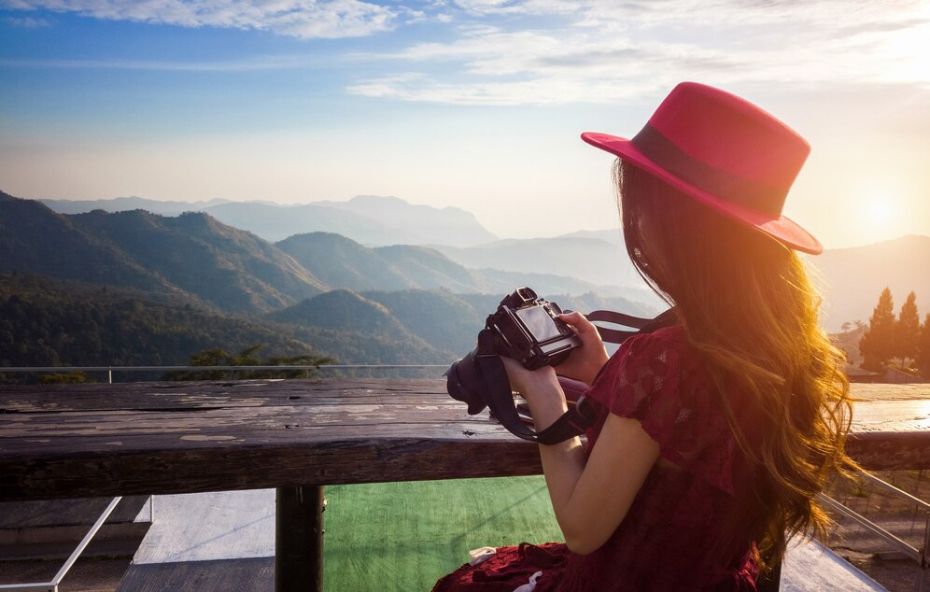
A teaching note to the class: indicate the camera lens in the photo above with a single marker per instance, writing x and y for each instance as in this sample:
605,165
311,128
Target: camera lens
463,382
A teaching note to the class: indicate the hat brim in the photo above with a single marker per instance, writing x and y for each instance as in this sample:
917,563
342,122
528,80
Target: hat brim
781,228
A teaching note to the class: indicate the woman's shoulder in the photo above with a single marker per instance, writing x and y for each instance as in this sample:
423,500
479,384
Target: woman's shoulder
658,379
666,349
652,369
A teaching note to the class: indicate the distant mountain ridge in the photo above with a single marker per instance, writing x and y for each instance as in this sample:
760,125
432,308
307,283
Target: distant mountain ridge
852,278
593,260
230,269
36,240
344,263
191,255
125,204
370,220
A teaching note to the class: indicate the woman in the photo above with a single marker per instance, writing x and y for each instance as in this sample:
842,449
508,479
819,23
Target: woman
718,431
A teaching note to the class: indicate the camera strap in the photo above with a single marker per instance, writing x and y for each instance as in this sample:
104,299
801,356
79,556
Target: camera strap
584,413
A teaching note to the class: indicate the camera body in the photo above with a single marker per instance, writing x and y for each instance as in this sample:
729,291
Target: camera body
527,330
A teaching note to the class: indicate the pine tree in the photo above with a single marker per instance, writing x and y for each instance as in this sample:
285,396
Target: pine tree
907,330
877,344
923,349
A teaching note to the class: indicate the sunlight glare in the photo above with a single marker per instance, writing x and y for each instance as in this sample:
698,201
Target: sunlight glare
879,211
908,52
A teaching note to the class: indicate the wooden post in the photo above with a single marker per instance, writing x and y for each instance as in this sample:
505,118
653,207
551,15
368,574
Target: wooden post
299,539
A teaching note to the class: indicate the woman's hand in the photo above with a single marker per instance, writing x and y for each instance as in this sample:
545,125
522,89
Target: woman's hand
528,382
585,362
541,390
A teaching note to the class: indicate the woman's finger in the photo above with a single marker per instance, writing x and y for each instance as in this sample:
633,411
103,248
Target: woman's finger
577,321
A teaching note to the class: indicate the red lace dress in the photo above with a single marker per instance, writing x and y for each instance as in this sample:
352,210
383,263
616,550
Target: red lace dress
673,537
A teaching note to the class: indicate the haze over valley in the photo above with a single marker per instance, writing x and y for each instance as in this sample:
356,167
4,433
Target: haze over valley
370,280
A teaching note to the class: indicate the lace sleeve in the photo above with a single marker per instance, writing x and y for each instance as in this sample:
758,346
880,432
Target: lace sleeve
656,379
643,382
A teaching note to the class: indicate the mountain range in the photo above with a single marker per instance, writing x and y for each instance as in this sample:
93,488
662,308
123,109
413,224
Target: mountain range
82,288
593,260
125,204
400,303
370,220
209,262
344,263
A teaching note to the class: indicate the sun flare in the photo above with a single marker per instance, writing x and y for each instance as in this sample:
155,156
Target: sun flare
879,211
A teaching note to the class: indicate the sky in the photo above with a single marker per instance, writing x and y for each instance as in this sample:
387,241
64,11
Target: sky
475,104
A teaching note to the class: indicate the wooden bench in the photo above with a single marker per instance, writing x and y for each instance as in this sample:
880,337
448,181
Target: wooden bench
296,436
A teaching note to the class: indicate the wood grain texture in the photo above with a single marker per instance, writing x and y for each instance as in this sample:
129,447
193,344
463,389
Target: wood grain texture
191,437
166,437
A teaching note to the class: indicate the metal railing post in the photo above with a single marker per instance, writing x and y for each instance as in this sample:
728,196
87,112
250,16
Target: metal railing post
925,558
52,586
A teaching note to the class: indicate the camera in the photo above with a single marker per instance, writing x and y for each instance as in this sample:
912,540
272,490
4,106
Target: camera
526,328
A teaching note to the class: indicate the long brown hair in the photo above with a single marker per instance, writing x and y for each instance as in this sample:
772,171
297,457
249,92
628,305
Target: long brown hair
749,309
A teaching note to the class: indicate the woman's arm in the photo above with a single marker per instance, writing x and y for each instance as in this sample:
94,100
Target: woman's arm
591,498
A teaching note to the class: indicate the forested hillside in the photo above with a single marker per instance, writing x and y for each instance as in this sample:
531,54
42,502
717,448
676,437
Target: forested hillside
194,254
36,240
53,323
47,323
229,268
191,255
365,330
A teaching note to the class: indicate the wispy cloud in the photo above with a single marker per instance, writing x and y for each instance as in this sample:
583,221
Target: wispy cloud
546,7
27,22
505,52
296,18
253,64
604,51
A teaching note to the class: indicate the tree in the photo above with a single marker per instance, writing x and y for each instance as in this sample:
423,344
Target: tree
923,349
877,344
246,357
907,330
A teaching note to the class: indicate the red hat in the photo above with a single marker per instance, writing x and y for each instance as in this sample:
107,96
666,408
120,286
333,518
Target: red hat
723,151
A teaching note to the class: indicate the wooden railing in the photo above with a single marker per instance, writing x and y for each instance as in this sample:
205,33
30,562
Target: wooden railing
59,441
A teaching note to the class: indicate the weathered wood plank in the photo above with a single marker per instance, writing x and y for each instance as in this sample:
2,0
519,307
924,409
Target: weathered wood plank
77,424
157,395
75,440
287,463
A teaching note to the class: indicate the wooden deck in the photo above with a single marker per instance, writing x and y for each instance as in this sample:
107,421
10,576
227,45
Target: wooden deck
163,438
